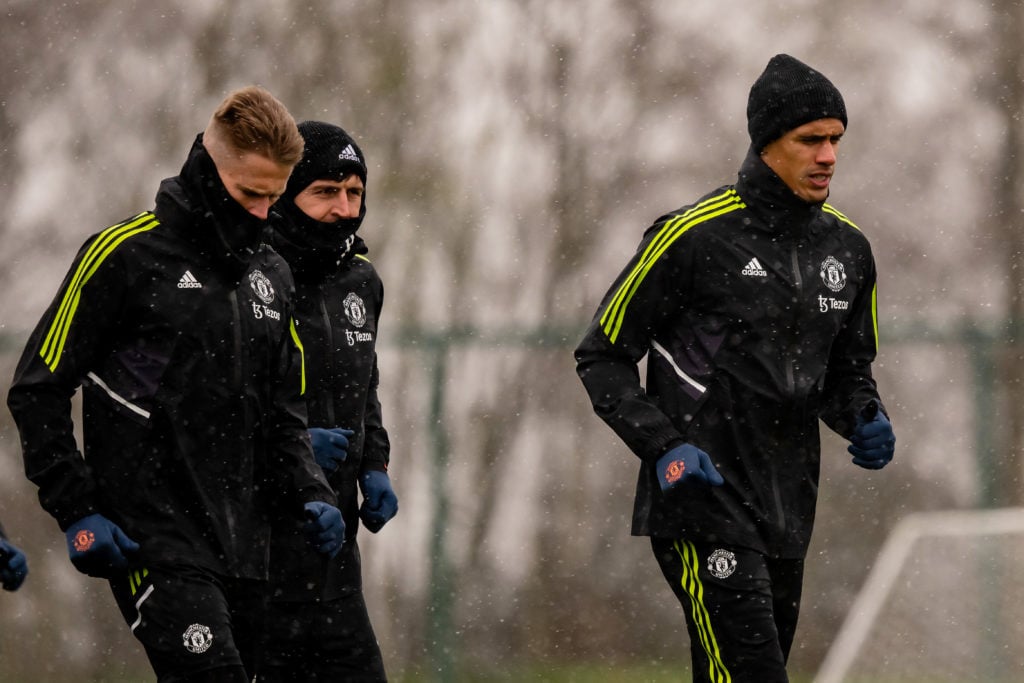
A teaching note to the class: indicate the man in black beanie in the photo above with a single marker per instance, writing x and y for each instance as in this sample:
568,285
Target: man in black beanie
177,327
318,628
756,309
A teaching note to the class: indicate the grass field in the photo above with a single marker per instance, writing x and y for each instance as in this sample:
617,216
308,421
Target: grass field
576,673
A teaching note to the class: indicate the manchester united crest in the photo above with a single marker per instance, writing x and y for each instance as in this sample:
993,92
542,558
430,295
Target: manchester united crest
197,638
833,274
355,309
261,285
722,563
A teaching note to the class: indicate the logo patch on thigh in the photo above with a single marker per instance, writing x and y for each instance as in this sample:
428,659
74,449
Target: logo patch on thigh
722,563
197,638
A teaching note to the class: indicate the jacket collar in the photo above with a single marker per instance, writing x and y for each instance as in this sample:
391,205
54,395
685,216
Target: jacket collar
199,207
313,249
770,198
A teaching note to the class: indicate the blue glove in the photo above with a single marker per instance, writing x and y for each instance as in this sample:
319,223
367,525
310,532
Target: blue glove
873,442
325,529
380,503
98,547
330,446
13,566
686,463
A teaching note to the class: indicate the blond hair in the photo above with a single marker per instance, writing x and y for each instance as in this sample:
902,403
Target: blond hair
250,119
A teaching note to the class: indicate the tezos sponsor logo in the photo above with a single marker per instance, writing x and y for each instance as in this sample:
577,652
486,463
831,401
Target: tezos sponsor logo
828,303
197,638
833,274
260,311
722,563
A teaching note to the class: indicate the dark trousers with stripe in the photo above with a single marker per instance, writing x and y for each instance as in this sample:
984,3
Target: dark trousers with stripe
741,608
195,626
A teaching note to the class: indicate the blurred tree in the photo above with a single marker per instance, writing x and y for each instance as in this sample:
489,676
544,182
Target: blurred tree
1004,469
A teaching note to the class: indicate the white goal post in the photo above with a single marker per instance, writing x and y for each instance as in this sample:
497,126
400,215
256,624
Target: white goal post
944,601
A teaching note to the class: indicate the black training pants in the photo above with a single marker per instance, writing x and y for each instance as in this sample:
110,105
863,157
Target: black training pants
194,625
741,608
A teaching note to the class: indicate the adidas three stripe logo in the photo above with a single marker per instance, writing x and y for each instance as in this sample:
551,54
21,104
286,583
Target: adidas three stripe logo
189,281
349,153
754,269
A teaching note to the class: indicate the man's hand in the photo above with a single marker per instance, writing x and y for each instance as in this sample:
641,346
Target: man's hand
98,547
13,565
325,529
686,464
380,503
330,447
873,442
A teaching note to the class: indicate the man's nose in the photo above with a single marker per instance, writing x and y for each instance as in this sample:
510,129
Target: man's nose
343,207
827,153
260,207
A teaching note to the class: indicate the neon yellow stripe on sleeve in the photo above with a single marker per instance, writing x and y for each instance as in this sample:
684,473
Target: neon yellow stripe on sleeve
874,312
302,354
615,313
98,251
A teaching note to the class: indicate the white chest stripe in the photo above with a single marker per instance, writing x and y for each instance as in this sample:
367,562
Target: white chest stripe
120,399
682,375
138,608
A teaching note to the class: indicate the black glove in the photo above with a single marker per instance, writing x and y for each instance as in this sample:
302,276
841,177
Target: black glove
98,547
325,529
13,565
380,503
330,446
873,442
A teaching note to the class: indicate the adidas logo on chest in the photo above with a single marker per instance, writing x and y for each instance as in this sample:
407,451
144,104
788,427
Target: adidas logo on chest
189,281
754,269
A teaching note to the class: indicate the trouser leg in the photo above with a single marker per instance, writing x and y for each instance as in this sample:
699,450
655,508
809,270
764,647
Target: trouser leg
726,595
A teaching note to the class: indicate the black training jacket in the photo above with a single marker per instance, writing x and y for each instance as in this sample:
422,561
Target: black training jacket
337,310
193,407
757,314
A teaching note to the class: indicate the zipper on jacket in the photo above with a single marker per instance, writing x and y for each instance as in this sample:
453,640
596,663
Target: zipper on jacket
798,285
329,356
236,319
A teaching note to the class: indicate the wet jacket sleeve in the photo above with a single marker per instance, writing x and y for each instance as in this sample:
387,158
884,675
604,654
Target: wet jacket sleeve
65,345
849,384
620,335
377,446
293,470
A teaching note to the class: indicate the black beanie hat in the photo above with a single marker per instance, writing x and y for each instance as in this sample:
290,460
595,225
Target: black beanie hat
330,154
787,95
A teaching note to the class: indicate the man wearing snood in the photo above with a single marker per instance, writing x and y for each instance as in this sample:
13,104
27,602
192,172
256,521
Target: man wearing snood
177,324
756,309
317,627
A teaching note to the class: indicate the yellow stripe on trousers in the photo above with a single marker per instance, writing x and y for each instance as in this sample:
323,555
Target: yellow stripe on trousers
615,313
100,249
135,579
717,672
